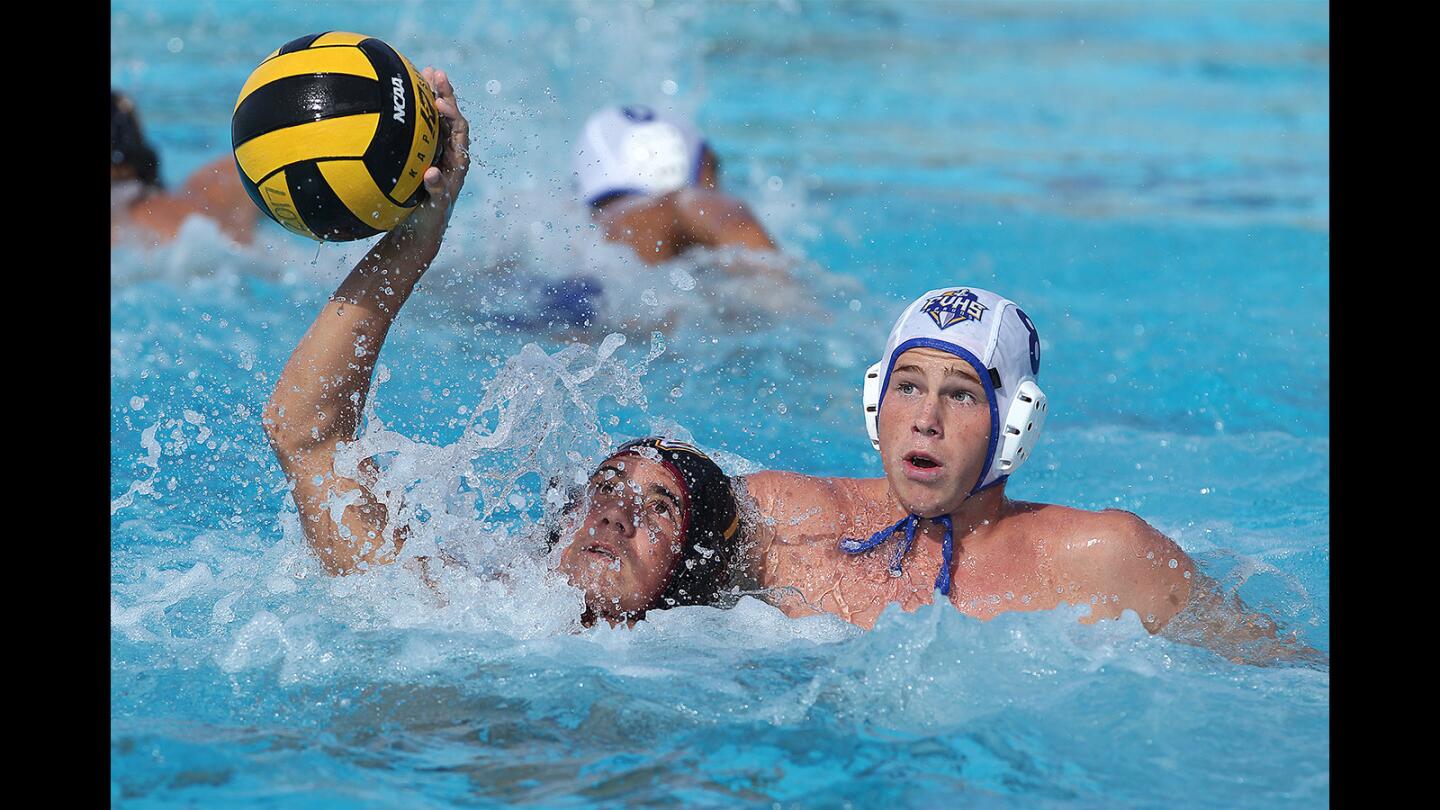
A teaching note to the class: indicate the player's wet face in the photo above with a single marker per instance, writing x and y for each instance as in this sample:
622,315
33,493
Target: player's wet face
934,426
625,548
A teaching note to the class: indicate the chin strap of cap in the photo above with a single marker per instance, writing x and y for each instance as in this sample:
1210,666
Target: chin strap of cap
909,524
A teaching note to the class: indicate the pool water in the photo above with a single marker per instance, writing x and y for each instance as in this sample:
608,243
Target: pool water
1150,181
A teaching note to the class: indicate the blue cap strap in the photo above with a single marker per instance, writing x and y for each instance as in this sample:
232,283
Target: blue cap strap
850,546
896,569
909,523
947,552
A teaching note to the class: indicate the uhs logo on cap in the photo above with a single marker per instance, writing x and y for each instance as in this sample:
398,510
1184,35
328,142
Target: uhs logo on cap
952,307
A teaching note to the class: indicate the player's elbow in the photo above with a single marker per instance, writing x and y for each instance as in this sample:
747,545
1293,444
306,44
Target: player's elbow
336,561
277,428
355,544
287,434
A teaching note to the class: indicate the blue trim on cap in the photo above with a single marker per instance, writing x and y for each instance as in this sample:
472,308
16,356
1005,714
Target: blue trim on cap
1002,479
609,194
980,371
638,113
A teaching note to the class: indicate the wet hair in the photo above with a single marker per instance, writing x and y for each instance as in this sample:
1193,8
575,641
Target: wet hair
706,153
128,146
709,548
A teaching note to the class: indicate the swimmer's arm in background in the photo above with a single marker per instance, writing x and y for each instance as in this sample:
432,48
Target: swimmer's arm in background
1229,627
320,396
1134,563
715,219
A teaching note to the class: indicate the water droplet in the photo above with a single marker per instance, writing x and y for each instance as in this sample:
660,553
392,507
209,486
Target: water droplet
175,45
682,280
493,87
669,87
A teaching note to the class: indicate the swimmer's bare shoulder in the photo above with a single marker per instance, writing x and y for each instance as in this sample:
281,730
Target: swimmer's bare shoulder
716,219
648,225
801,517
215,190
660,228
1110,559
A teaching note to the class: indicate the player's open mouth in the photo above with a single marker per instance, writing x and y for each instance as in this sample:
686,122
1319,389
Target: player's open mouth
603,550
923,461
922,466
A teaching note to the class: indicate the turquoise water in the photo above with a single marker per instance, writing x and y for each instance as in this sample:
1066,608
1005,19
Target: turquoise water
1149,180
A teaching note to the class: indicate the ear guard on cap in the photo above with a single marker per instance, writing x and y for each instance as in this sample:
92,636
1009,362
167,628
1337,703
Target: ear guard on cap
872,403
1022,427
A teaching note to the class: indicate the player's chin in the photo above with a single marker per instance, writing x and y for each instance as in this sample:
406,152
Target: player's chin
930,499
616,598
584,572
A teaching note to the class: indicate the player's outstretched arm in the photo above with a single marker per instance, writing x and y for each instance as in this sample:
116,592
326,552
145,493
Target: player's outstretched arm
319,399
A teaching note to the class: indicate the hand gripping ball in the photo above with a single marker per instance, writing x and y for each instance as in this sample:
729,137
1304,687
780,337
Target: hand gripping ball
332,135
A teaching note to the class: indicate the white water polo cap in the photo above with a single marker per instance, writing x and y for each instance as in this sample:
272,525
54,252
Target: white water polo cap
999,341
636,150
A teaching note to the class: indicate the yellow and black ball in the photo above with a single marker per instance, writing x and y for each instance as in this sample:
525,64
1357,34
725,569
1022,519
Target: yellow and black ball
332,135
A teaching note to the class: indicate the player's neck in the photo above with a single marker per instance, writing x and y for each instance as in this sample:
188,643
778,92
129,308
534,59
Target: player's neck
974,514
980,512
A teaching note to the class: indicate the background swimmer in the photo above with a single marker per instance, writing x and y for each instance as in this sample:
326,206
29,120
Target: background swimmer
961,411
660,518
139,201
653,183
